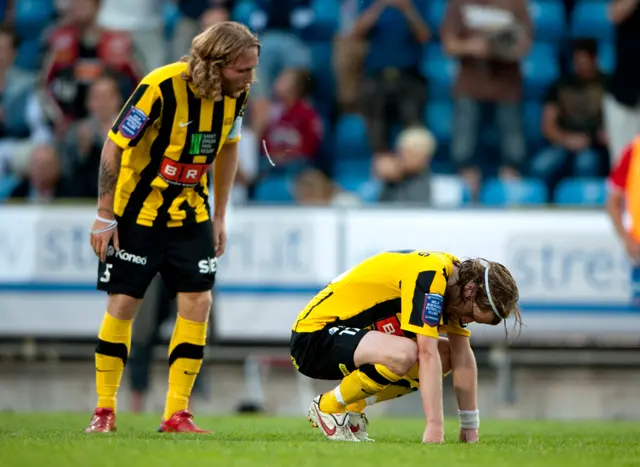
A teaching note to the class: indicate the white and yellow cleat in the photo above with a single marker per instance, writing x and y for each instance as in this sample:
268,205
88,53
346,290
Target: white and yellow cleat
334,426
358,424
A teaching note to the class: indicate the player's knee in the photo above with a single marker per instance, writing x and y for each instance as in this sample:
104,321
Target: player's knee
122,306
404,357
194,306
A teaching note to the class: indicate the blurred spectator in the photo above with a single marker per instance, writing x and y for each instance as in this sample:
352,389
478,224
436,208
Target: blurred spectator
81,149
406,175
22,121
393,91
489,38
145,23
213,16
42,184
281,48
294,130
195,15
79,52
572,121
349,52
314,188
622,103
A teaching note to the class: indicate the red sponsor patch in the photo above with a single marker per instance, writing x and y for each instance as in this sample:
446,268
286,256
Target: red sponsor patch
389,326
178,173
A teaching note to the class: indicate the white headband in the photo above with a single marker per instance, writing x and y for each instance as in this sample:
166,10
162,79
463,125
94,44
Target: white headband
486,286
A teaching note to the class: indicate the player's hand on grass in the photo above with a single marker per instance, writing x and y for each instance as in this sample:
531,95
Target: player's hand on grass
434,434
219,236
468,435
101,236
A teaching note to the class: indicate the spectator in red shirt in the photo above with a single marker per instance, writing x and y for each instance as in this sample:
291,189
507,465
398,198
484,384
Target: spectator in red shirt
79,52
295,130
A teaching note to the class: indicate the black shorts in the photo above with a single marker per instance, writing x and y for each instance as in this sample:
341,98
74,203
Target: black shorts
184,256
327,353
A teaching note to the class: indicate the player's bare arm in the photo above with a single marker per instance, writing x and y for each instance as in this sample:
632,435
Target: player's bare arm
465,383
104,227
431,388
225,168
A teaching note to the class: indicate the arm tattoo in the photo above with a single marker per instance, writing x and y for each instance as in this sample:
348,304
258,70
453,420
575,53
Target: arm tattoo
108,176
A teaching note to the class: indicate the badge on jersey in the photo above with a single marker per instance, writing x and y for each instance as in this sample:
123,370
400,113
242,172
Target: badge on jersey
432,309
133,123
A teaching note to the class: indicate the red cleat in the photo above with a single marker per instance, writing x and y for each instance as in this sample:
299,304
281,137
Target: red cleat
103,421
181,422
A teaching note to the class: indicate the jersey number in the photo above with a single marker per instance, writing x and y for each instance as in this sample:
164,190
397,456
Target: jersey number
106,275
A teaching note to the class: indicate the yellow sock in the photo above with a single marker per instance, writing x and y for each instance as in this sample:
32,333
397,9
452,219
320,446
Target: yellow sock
114,342
358,406
186,352
365,382
407,385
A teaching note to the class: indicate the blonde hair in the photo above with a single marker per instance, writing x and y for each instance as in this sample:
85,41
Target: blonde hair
417,139
504,289
213,49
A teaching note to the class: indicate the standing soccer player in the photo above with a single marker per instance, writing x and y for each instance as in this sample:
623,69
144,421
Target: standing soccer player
153,209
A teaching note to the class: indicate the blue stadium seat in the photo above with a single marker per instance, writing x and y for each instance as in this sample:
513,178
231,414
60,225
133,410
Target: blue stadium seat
367,188
540,69
171,15
324,82
275,190
549,20
30,55
326,11
590,19
32,17
351,138
324,21
532,118
8,183
352,167
243,11
606,56
435,15
581,192
497,192
440,71
439,120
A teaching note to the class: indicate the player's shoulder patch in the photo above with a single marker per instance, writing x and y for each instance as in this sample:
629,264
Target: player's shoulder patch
432,309
133,123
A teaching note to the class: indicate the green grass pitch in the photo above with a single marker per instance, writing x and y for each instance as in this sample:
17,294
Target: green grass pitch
51,440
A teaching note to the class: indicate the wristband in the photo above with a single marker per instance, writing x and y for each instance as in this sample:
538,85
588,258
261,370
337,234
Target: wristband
111,224
469,419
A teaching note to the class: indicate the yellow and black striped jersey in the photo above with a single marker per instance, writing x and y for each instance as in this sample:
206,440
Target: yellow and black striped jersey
170,138
399,293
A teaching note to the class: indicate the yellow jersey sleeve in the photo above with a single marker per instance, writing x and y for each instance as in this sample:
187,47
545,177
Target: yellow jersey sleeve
452,327
140,112
422,301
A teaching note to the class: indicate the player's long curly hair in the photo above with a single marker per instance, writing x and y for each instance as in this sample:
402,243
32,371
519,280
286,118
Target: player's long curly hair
502,285
218,46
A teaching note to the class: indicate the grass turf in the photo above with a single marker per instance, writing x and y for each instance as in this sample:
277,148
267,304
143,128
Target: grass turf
57,440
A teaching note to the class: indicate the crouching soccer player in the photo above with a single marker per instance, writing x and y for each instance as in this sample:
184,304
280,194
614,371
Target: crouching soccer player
377,328
153,210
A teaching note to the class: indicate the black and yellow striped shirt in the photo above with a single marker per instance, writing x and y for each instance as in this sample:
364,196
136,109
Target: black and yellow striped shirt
170,138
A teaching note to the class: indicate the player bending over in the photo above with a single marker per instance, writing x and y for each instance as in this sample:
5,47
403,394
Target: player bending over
377,328
153,208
